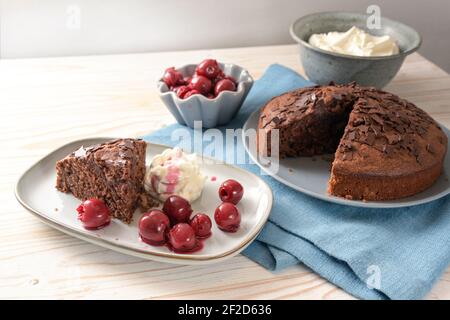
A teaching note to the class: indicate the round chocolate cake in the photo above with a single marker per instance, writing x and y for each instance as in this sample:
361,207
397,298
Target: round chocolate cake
385,147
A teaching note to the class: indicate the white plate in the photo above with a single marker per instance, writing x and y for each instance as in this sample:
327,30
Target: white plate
36,191
310,175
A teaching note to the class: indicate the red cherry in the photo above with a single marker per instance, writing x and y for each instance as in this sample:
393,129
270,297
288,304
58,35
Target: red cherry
210,96
191,93
201,83
181,91
182,237
172,77
219,76
224,85
231,191
177,209
201,224
94,214
208,68
153,227
227,217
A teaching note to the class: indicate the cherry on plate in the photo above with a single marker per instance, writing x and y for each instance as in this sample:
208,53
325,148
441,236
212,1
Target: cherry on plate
208,68
154,227
224,85
172,77
201,224
177,209
201,84
182,237
227,217
94,214
231,191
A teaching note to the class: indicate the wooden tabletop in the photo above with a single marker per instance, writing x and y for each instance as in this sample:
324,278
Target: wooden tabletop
48,102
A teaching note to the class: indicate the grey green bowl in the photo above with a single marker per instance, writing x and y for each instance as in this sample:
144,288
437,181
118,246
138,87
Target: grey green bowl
211,112
323,66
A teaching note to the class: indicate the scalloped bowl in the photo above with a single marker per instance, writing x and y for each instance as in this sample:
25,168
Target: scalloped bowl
212,112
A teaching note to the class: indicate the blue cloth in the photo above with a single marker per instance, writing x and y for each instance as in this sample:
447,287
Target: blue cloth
370,253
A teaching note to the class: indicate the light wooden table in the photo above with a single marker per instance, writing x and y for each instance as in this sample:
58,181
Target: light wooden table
48,102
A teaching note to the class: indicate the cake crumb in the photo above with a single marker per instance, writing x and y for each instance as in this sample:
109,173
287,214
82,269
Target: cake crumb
56,209
34,282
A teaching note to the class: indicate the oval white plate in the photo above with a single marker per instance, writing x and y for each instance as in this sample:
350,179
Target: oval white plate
36,191
310,175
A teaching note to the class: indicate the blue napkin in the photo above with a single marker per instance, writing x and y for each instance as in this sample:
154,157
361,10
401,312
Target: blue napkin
370,253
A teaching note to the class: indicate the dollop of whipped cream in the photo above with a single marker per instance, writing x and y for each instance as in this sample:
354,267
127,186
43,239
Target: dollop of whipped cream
174,172
355,42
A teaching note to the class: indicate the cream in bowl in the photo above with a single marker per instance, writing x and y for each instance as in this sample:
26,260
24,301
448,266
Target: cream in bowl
340,53
355,42
174,172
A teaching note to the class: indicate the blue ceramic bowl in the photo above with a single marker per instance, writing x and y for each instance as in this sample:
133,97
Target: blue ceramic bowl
323,66
211,112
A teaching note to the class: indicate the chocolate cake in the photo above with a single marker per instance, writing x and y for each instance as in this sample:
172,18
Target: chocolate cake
113,172
385,147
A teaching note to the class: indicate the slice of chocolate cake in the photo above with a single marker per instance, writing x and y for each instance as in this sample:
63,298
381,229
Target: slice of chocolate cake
113,172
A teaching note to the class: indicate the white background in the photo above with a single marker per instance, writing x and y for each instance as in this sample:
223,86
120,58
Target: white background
36,28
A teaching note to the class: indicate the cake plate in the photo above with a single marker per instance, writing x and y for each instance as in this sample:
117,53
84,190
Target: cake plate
310,175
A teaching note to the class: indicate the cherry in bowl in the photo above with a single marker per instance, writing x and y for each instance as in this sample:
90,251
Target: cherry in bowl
154,227
94,214
201,84
208,68
172,77
224,85
227,217
231,191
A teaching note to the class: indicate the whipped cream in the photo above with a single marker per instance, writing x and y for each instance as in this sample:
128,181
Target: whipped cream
355,42
174,172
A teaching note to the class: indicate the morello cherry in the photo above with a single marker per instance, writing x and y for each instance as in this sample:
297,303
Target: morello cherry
201,84
154,227
208,68
182,237
224,85
221,75
181,91
231,191
94,214
227,217
191,93
177,209
172,77
201,224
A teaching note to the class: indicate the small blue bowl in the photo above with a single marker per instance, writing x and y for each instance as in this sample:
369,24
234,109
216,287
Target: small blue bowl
211,112
322,66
